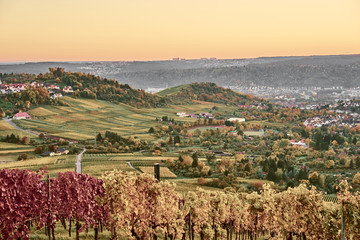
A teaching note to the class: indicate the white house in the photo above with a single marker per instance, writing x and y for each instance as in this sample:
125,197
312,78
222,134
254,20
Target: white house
182,114
236,119
68,89
56,95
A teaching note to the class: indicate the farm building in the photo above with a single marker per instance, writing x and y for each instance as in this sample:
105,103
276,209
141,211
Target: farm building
21,115
48,153
62,151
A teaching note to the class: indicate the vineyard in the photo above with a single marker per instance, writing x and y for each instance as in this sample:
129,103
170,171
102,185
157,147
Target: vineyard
137,206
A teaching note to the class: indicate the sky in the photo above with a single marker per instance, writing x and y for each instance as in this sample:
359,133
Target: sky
127,30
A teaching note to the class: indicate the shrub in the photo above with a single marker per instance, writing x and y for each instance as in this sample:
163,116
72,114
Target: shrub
23,156
201,181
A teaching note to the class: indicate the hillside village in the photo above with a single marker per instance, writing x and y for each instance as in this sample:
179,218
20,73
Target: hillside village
53,89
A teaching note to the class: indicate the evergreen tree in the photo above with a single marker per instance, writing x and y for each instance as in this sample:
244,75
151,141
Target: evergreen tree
177,139
151,130
99,137
271,176
195,162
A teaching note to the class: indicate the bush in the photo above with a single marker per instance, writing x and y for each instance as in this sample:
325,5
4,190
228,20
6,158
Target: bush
356,178
23,156
201,181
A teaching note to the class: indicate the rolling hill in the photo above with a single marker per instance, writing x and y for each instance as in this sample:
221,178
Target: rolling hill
208,92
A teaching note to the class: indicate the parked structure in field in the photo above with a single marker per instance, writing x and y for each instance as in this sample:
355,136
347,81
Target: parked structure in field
62,151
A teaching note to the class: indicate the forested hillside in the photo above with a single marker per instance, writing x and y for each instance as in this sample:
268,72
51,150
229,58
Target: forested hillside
209,92
83,85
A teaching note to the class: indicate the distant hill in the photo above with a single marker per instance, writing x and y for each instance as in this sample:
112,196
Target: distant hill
208,92
297,71
84,86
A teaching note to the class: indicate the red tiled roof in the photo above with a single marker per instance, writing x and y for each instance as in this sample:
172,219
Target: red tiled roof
22,114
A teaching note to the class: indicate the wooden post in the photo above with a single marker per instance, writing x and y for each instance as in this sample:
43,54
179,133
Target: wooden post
95,140
157,171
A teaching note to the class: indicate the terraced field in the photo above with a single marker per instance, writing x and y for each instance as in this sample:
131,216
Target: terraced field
11,146
81,118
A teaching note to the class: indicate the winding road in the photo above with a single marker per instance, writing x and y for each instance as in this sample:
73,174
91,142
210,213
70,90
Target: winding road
19,128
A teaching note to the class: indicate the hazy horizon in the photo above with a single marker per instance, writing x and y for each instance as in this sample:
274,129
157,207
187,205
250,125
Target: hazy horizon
181,59
88,30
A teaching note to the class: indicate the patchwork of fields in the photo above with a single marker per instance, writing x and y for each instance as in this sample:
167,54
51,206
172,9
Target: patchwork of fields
81,118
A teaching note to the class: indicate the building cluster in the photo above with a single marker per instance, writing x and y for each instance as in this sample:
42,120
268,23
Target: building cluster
13,88
338,120
53,89
260,106
205,115
58,152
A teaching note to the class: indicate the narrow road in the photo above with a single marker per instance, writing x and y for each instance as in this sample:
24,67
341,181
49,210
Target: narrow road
130,165
19,128
78,161
36,133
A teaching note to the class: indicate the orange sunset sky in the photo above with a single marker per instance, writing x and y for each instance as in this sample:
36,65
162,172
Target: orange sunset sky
83,30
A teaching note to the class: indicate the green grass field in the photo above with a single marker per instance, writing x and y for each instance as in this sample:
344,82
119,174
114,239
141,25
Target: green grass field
172,90
82,117
11,146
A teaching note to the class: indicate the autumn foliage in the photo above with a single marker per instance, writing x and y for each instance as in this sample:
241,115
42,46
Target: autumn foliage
140,207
